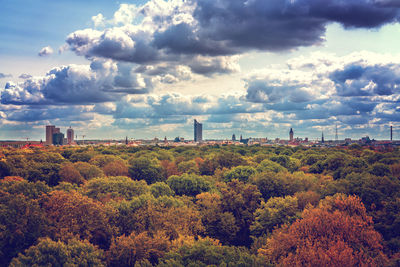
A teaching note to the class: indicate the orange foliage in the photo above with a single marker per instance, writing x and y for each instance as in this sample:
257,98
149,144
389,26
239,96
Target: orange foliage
69,174
395,169
169,168
71,214
336,233
12,179
305,169
305,198
116,168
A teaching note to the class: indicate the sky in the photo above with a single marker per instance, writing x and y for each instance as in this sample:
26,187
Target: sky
146,69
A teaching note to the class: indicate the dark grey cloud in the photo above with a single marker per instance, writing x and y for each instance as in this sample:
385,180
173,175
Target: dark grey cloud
3,75
356,80
34,114
225,27
280,25
25,76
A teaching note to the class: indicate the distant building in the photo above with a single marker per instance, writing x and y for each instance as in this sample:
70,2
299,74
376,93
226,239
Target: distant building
291,135
233,137
58,139
198,131
70,136
50,130
322,138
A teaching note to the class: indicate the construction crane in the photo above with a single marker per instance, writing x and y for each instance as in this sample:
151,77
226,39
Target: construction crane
83,139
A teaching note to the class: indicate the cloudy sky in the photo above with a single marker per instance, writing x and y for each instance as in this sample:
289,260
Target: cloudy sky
146,69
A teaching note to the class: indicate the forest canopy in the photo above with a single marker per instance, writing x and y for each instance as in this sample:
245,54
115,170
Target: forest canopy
200,206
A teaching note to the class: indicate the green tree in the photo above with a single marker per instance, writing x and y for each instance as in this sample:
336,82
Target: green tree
242,173
161,189
143,168
51,253
379,169
5,169
88,171
22,221
274,213
114,187
207,252
269,165
28,189
188,184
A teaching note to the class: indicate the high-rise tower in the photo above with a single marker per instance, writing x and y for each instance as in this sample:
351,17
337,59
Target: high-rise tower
198,131
291,135
391,133
50,130
70,135
322,138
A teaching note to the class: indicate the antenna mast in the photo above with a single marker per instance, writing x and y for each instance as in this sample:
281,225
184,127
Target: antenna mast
336,134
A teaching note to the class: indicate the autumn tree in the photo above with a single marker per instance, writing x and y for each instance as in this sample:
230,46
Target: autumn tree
336,233
51,253
132,249
68,173
116,168
169,168
71,214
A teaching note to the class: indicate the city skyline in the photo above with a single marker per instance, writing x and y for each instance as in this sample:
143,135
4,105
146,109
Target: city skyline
146,69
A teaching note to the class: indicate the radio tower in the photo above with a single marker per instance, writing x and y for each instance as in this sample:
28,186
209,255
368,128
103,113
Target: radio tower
336,134
391,133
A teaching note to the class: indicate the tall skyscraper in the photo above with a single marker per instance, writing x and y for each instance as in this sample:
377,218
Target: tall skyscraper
70,135
291,135
233,137
50,130
322,138
198,131
391,133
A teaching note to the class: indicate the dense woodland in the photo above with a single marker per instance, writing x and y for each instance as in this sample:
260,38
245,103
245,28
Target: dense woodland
199,206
